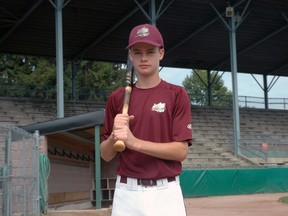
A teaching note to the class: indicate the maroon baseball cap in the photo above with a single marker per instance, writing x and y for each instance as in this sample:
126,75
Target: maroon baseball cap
145,33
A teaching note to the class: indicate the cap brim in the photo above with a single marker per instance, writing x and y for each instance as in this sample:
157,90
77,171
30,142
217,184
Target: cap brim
144,41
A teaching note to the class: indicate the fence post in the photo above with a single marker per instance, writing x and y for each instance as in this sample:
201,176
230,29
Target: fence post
9,173
36,176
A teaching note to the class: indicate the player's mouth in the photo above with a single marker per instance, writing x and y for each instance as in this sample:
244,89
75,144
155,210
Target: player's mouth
144,66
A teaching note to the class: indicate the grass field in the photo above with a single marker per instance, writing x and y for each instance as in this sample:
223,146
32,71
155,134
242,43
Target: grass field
284,199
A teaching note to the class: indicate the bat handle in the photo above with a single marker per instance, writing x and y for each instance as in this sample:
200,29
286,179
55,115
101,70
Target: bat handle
119,146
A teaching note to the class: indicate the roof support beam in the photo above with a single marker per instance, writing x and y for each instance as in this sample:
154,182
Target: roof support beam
152,18
280,67
59,56
59,5
21,20
99,39
266,88
265,91
232,27
59,59
152,12
258,42
283,65
209,83
234,71
255,44
196,32
153,15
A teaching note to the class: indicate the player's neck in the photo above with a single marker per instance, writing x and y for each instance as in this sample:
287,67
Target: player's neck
145,83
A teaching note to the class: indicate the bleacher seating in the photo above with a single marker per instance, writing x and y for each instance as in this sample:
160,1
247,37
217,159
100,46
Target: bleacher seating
212,127
23,111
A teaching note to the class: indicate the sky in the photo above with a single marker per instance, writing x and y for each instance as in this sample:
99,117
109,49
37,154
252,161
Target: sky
247,86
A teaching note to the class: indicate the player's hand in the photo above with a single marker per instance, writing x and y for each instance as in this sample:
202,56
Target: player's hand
121,129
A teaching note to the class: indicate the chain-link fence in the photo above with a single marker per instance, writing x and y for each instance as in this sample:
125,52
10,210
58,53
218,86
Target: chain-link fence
19,172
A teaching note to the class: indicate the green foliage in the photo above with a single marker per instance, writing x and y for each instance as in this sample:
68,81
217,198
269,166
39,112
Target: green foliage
197,87
95,80
284,199
102,75
27,75
30,76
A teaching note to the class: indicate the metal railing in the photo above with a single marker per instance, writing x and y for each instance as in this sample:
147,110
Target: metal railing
265,149
49,92
96,94
259,102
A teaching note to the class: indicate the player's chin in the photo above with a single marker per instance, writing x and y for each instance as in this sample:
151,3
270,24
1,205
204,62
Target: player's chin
146,75
145,71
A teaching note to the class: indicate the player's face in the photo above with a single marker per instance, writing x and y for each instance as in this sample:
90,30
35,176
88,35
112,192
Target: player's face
146,58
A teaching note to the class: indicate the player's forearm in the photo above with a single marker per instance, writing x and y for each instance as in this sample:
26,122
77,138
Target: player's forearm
168,151
107,150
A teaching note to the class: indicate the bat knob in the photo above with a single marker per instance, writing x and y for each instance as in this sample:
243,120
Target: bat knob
119,146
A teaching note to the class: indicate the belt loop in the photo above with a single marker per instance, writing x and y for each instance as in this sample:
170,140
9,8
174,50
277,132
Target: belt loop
162,182
118,179
132,182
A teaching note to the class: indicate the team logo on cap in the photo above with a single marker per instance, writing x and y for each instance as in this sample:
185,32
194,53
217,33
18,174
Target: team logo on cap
143,32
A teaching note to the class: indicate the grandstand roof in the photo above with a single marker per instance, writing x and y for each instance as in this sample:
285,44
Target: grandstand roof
79,127
194,35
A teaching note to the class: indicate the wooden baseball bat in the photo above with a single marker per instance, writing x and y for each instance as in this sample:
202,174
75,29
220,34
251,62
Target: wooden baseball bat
119,145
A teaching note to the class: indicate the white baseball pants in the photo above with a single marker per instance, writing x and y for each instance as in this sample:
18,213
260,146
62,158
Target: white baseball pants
163,199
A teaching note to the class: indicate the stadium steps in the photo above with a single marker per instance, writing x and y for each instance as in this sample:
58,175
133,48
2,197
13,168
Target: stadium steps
22,111
211,145
212,127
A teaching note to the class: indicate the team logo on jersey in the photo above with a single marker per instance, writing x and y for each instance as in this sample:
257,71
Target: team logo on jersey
160,107
189,126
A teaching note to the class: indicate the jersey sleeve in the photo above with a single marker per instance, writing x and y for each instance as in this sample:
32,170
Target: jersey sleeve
182,118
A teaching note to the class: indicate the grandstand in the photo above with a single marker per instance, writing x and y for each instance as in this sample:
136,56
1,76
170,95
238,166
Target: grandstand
23,111
212,151
212,129
213,132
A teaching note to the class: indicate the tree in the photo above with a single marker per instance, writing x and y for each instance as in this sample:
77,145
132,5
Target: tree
102,75
197,87
98,79
32,76
27,75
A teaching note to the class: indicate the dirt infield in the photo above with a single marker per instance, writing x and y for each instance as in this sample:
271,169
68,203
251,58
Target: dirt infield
243,205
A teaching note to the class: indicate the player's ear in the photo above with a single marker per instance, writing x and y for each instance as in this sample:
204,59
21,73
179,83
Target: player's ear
130,55
162,52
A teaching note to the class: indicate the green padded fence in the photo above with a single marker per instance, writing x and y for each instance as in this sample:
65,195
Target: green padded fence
200,183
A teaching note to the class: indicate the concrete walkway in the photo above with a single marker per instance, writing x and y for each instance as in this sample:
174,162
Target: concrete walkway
243,205
100,212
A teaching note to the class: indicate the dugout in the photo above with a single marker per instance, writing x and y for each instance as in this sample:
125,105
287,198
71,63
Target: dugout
73,148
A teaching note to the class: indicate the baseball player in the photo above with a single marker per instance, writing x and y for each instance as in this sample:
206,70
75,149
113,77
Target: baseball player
156,132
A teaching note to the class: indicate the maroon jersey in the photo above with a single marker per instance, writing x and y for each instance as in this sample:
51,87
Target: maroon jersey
162,114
